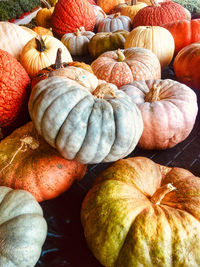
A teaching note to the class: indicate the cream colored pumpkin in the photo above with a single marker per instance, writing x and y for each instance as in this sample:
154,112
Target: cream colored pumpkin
114,23
41,52
155,38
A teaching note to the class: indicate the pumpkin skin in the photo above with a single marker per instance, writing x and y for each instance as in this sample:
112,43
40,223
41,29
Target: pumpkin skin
14,88
124,215
107,6
72,14
155,38
87,123
42,31
43,16
187,65
106,41
124,66
114,23
184,32
40,52
168,108
23,228
37,167
159,14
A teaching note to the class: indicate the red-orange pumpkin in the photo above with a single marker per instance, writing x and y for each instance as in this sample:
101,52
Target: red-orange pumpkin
72,14
14,88
184,32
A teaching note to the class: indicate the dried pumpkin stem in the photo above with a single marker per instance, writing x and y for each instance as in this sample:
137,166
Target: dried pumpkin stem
161,192
58,62
46,4
117,15
133,2
104,89
121,56
153,94
40,45
78,32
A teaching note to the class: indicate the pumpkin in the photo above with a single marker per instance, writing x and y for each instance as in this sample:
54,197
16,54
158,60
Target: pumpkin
43,16
184,32
187,65
33,33
77,42
123,66
159,14
156,38
14,88
72,14
168,108
114,22
23,228
99,14
40,52
42,31
14,38
106,41
107,6
28,162
140,213
83,119
149,2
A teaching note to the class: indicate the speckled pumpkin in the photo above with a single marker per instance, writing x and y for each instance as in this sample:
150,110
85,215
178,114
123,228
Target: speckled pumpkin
124,66
139,213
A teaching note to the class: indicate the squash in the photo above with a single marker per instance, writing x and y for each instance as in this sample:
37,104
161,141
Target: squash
168,108
122,66
106,41
40,52
99,14
28,162
155,38
140,213
23,228
184,32
43,16
77,42
187,65
33,33
42,31
107,6
85,119
72,14
114,23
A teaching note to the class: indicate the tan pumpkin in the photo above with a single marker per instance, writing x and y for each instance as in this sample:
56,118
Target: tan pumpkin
155,38
40,52
43,17
124,66
168,108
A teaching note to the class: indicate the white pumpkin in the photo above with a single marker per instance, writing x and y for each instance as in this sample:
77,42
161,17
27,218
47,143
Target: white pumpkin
115,22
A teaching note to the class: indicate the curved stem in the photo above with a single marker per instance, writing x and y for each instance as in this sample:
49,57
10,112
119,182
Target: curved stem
121,56
133,2
40,45
46,4
161,192
153,94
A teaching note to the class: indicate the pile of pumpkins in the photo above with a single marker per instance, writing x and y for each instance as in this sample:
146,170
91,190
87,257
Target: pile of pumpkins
138,212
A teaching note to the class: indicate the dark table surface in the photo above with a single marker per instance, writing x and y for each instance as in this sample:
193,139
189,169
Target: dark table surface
65,244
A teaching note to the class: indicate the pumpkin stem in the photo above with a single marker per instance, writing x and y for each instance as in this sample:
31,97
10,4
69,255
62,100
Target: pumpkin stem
154,3
153,94
78,32
40,44
117,15
58,62
133,2
46,4
161,192
104,89
121,56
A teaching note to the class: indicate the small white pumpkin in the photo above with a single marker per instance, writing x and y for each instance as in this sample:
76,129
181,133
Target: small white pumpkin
115,22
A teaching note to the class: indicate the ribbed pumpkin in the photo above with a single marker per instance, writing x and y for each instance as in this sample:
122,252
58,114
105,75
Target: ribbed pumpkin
187,65
43,16
139,213
106,41
85,120
124,66
72,14
155,38
23,228
107,6
184,32
159,14
168,108
28,162
114,22
14,88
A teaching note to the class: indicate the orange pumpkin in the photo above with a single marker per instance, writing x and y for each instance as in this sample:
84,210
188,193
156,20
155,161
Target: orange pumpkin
43,17
42,31
107,6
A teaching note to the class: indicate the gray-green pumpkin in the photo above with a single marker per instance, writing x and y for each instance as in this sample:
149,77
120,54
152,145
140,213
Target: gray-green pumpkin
91,125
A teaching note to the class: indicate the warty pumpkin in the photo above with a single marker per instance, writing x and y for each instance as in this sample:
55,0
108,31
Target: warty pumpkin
22,226
168,108
28,162
140,213
85,120
122,66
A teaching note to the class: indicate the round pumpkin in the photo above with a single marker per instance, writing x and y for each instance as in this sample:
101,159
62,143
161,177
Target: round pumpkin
155,38
124,66
99,14
139,213
14,88
28,162
106,41
107,6
72,14
85,120
114,23
43,16
40,52
42,31
184,32
168,108
159,14
187,65
23,228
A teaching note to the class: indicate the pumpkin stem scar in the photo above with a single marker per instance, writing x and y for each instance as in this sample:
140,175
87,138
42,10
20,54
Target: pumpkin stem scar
27,141
153,94
161,192
104,89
